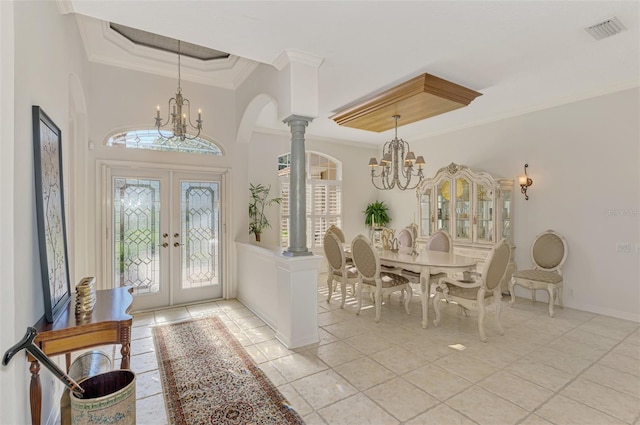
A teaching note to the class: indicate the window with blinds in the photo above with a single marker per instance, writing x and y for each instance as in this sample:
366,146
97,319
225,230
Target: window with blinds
323,193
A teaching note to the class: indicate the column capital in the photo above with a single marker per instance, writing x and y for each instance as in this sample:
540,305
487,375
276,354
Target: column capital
291,118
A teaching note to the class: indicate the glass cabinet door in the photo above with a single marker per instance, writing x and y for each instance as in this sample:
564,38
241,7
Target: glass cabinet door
463,208
425,214
506,213
484,214
443,205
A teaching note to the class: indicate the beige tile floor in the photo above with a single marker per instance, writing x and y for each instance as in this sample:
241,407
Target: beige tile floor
576,368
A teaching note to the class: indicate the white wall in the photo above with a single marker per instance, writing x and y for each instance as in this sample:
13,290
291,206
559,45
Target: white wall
584,159
13,375
47,50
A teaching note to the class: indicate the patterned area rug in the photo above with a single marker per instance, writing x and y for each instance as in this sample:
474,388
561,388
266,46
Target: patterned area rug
208,378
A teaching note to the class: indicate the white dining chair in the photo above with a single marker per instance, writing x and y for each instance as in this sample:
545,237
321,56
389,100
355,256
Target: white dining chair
548,254
478,293
371,279
338,270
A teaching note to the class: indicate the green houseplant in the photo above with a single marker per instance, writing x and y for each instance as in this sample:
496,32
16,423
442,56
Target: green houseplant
259,200
376,212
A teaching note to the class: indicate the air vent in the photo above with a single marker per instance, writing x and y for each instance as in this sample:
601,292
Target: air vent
606,29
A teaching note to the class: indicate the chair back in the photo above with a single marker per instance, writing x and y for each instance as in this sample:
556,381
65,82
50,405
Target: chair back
413,227
338,231
405,238
549,251
333,251
365,257
440,241
496,266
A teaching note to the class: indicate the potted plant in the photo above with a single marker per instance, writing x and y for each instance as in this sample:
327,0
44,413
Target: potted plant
259,200
376,213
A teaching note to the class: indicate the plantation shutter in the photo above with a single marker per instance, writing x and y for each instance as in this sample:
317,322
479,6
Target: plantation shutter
323,198
284,213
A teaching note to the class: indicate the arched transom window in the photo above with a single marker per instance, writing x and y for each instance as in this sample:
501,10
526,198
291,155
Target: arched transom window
149,139
324,196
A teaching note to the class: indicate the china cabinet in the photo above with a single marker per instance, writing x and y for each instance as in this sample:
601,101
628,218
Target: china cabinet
474,207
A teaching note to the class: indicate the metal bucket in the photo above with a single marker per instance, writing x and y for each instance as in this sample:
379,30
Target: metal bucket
85,366
109,398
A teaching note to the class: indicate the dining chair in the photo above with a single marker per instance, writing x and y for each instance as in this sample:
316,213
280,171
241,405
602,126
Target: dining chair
405,238
338,232
371,279
548,254
338,269
439,241
478,293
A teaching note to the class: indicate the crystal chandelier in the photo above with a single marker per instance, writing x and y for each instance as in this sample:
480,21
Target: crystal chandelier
180,114
397,169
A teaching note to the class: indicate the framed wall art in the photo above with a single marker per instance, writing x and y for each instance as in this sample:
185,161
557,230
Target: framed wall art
52,234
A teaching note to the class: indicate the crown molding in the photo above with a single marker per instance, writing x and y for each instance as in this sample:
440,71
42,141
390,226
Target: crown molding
297,56
105,46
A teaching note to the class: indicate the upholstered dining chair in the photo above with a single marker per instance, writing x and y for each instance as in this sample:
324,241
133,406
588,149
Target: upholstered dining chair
338,231
548,254
480,293
371,279
338,269
405,238
439,241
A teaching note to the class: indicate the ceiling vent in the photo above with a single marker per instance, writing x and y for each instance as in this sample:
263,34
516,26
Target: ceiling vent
606,29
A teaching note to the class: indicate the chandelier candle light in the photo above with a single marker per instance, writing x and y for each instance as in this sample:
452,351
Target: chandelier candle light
180,115
397,169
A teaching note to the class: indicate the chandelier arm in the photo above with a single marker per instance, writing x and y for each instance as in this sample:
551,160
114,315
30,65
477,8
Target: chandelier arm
373,176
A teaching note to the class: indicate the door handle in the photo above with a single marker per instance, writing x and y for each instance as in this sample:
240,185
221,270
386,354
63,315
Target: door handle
164,245
177,244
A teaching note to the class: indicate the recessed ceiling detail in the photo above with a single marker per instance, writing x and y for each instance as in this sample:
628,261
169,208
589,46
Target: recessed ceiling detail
419,98
156,41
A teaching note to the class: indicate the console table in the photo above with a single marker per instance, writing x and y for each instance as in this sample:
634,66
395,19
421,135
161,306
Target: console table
109,323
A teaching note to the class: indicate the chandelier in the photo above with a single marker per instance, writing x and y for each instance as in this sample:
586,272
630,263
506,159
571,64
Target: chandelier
397,169
180,114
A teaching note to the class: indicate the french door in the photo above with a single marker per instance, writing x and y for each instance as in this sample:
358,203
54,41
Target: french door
165,235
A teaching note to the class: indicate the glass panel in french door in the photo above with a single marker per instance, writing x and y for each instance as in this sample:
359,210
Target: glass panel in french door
197,243
139,248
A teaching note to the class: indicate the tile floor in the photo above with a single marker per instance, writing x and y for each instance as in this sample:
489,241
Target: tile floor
577,368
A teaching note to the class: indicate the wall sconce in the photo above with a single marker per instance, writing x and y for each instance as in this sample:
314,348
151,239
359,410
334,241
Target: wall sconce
525,182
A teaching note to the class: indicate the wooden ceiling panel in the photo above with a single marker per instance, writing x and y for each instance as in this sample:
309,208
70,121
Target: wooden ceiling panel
414,100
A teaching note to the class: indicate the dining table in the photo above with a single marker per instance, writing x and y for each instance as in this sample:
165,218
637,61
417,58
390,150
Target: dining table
426,262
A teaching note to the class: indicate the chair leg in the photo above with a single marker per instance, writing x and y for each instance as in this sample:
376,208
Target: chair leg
329,285
359,291
559,295
436,307
497,300
533,295
408,298
551,290
483,337
343,290
512,283
378,301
